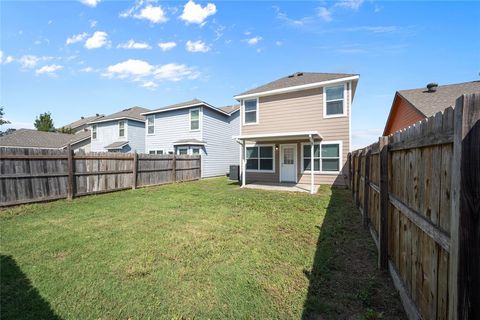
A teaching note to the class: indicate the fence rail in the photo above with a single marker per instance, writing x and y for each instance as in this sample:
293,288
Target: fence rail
419,193
34,175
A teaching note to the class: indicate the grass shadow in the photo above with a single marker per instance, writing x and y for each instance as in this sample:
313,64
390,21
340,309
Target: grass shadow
344,282
18,298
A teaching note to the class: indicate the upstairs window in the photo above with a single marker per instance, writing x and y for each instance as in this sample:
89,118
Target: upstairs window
94,131
334,101
260,158
194,119
250,111
151,124
121,128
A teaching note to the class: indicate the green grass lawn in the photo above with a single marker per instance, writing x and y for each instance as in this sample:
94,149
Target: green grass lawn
204,249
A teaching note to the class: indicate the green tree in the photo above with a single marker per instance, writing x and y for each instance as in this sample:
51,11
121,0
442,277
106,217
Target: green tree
65,130
44,122
3,121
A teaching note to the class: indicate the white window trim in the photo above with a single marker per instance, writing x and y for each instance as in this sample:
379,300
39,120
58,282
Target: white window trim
94,127
190,150
182,147
199,119
156,150
340,145
125,129
261,145
146,131
344,114
257,118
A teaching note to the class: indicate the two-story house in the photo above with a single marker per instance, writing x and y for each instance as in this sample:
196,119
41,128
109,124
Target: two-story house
122,131
295,123
195,127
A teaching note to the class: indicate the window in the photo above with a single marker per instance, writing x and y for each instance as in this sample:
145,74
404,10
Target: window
326,157
121,128
195,150
94,131
334,101
156,152
250,111
150,124
194,119
182,150
260,158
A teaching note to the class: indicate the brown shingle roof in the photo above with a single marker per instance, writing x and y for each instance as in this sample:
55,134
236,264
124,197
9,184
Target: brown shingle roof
297,79
130,113
28,138
116,145
230,109
430,103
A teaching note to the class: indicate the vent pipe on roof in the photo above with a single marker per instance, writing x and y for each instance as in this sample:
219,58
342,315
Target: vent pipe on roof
82,117
432,87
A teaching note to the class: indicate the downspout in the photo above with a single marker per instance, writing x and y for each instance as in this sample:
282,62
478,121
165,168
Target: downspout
312,166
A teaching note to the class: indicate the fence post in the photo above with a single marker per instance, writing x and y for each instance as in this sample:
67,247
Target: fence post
349,161
464,277
384,203
200,171
359,176
135,170
70,169
174,168
353,174
366,188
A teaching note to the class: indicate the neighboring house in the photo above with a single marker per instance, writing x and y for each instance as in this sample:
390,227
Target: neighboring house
195,127
82,124
33,139
123,131
411,106
287,122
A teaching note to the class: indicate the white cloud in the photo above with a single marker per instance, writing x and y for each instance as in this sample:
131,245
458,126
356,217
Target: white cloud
76,38
90,3
278,43
98,40
149,85
373,29
50,21
254,40
29,61
282,16
93,23
194,13
87,70
349,4
131,44
324,14
175,72
6,59
154,14
144,72
165,46
197,46
50,69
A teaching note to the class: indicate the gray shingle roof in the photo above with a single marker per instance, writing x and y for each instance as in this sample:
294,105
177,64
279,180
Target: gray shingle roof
116,145
82,121
28,138
186,104
230,109
130,113
430,103
189,141
297,79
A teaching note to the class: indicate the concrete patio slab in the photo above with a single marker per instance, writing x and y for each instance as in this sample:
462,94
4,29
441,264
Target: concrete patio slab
288,187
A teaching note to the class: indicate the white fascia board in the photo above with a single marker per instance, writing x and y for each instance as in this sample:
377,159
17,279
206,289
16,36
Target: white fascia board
279,135
116,119
185,107
295,88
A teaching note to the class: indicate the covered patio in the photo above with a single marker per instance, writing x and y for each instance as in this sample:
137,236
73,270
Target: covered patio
272,161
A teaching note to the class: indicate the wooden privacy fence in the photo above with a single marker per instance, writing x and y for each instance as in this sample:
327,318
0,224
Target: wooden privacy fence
419,193
33,175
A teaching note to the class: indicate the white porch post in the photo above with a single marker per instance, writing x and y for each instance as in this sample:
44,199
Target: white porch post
244,163
312,167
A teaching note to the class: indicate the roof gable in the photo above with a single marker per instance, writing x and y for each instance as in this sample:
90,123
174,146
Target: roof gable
185,105
134,113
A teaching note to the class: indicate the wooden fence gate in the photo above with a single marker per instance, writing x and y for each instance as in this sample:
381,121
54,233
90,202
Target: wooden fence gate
419,193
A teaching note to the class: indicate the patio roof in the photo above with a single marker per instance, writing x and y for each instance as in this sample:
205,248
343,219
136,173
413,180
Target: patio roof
116,145
281,136
193,142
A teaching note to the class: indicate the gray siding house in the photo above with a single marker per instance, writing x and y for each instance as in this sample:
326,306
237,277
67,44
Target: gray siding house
123,131
195,127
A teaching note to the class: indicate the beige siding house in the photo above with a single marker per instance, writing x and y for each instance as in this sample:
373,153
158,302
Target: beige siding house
287,122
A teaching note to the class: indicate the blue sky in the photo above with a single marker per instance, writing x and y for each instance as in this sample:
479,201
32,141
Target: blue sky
76,58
